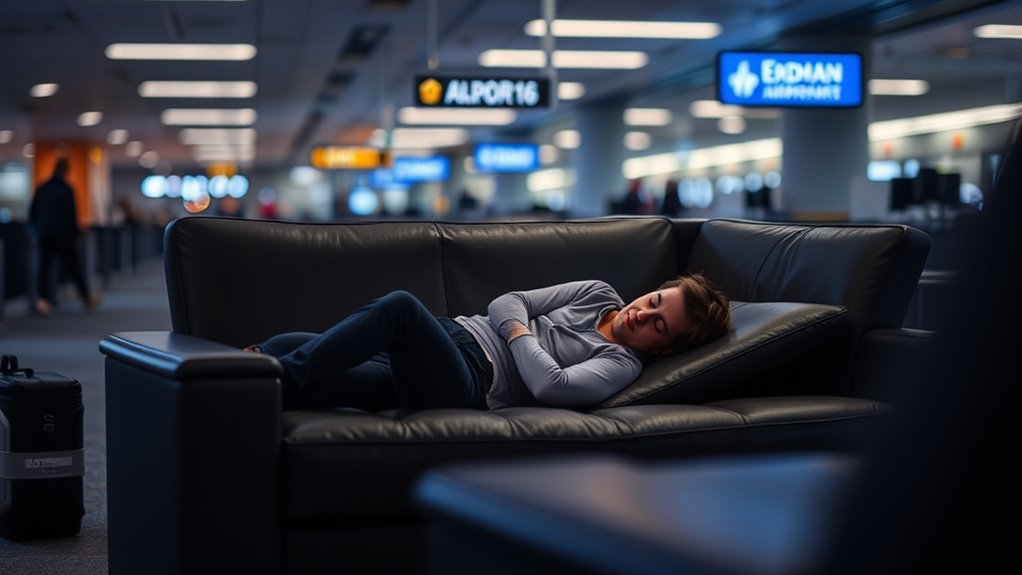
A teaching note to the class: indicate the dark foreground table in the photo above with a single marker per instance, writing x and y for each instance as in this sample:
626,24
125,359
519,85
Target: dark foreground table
749,515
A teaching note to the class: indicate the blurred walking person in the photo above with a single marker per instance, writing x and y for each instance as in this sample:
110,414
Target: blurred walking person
53,217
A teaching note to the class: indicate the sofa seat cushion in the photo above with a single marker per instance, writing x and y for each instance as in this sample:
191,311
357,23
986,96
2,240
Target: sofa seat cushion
765,336
347,464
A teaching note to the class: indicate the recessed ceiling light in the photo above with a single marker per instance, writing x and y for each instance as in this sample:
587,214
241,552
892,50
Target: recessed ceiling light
157,89
567,139
117,137
879,87
456,116
592,59
625,29
90,118
28,150
570,90
548,154
731,124
998,31
6,136
637,141
234,52
647,117
198,136
43,90
208,117
149,159
133,149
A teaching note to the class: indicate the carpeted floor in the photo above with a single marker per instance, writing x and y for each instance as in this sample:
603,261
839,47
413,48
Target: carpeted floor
67,342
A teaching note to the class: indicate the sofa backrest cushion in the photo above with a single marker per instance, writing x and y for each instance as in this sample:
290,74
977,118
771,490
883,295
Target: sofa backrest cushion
485,260
765,336
872,270
240,281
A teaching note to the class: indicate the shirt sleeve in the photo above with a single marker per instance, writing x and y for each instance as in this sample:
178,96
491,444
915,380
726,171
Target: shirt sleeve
584,383
522,306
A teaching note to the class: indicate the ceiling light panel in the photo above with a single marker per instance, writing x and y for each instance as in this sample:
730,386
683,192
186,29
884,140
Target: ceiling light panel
42,90
647,117
626,29
881,87
1005,31
231,52
208,117
199,136
456,117
589,59
570,90
90,118
158,89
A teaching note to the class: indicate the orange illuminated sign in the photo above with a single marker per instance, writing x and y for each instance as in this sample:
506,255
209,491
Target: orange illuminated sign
348,158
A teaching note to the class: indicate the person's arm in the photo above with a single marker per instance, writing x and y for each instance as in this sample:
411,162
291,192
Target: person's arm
510,313
584,383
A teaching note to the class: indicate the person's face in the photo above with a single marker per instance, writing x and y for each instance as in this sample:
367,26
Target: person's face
651,322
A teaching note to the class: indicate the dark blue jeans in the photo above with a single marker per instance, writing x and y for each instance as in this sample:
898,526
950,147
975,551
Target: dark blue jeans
390,353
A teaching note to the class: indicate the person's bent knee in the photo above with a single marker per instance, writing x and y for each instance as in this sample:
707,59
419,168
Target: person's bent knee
403,303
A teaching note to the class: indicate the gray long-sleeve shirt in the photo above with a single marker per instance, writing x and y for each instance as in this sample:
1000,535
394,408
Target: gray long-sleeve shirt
565,361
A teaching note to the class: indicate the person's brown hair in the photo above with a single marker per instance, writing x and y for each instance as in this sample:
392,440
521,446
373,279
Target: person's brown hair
707,310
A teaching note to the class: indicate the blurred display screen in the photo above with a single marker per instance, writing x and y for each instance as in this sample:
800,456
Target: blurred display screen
494,158
790,79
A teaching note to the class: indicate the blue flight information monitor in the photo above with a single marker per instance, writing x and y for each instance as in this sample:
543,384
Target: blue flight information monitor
412,169
790,79
516,158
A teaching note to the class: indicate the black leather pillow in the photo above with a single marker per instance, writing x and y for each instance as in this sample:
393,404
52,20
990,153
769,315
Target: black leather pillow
765,336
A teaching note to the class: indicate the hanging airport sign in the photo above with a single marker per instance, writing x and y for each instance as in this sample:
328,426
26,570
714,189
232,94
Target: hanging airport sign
790,79
348,158
412,169
482,92
517,157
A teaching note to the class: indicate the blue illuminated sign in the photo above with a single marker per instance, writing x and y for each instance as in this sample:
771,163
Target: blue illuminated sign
790,79
383,179
506,157
411,169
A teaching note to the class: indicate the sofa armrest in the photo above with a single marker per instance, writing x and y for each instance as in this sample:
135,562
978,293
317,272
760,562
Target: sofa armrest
193,443
884,357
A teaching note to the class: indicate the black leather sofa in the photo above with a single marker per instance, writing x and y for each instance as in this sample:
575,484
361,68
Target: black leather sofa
206,474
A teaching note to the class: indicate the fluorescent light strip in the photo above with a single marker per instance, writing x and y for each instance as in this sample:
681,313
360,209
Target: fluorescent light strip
647,117
417,138
957,120
90,118
637,141
455,116
159,89
998,31
231,52
208,117
567,139
881,87
592,59
626,29
570,90
6,136
43,90
198,136
117,137
712,109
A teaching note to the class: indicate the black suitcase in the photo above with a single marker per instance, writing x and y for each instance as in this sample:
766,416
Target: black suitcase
42,459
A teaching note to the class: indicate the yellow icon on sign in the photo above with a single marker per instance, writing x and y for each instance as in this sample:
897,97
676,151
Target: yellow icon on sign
430,92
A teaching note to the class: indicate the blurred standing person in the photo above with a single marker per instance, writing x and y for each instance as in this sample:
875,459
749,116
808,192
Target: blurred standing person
53,216
671,207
